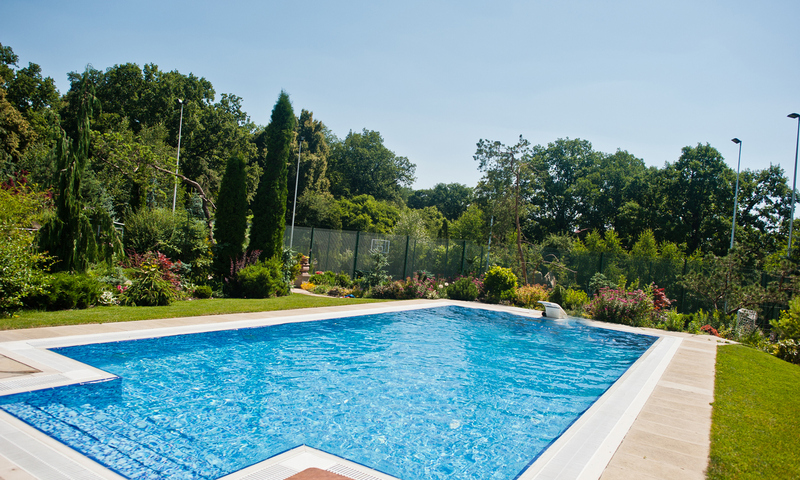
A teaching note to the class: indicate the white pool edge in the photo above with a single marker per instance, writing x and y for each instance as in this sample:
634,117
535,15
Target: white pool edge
582,452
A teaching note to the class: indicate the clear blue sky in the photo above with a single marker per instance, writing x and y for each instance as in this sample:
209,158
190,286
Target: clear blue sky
435,77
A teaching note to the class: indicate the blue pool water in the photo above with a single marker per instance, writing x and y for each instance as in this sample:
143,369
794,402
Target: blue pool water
437,393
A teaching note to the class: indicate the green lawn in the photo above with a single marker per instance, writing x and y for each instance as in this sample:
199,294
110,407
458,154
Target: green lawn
755,432
193,308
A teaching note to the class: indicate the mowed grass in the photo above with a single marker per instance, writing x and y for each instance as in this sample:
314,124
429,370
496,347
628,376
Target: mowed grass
193,308
755,432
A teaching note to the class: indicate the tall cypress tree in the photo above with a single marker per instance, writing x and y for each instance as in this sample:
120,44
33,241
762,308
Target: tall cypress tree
269,204
230,225
70,235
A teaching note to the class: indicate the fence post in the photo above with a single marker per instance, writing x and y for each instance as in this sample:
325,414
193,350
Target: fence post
355,254
405,260
480,269
463,255
311,247
600,265
683,288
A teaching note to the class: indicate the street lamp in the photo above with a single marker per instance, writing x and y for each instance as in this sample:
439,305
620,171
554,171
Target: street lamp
181,102
794,184
736,195
296,182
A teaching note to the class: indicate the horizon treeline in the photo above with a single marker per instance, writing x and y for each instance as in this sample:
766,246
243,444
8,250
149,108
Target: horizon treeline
564,191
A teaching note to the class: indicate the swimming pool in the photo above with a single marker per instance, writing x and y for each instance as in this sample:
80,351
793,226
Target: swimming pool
447,392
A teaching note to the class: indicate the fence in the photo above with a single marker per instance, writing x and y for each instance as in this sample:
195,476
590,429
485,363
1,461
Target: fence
349,252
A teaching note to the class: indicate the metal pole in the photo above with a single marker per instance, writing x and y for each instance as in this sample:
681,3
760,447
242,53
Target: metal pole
736,195
178,160
296,182
489,245
794,185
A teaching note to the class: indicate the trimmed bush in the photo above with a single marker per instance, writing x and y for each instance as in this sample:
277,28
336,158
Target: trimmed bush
500,284
262,280
203,291
68,291
463,289
788,325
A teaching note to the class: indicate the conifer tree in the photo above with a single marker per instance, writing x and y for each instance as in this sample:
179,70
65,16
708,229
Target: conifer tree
70,235
230,226
269,204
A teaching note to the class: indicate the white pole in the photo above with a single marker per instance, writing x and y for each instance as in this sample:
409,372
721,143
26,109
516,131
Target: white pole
736,196
296,182
178,160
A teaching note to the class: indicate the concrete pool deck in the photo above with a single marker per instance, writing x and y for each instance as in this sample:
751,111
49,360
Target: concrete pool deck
669,437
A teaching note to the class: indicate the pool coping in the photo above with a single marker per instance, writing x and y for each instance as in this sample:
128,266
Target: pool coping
584,451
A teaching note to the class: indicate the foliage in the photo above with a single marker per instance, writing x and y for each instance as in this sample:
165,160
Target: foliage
528,296
500,284
575,300
323,278
70,234
262,280
451,199
788,350
788,325
176,235
756,416
269,204
463,289
619,306
230,282
418,286
725,281
21,267
600,281
65,291
366,214
203,291
361,165
230,226
377,275
557,294
155,282
673,321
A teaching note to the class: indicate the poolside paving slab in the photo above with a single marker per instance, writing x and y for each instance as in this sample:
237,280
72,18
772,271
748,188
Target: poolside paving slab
668,440
671,436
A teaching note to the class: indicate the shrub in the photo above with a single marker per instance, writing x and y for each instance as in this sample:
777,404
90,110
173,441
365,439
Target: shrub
343,280
177,235
262,280
68,291
528,296
575,300
308,286
391,290
203,291
463,289
155,282
674,321
500,284
788,350
323,278
557,295
618,306
788,325
378,274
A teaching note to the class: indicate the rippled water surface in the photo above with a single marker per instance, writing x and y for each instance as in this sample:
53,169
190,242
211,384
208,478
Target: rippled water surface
440,393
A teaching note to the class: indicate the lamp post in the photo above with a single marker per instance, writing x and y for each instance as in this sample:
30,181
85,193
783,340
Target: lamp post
736,195
794,185
296,182
181,102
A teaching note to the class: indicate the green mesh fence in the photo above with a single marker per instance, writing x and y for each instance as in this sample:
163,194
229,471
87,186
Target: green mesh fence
349,252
